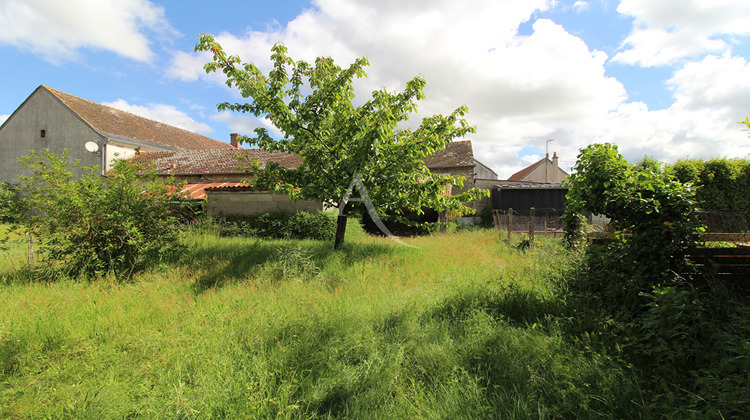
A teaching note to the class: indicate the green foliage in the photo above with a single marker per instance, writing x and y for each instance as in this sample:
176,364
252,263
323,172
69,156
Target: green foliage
683,341
654,218
119,223
311,104
281,225
720,184
10,206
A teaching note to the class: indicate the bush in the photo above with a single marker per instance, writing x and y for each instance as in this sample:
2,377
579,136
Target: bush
281,225
119,223
10,207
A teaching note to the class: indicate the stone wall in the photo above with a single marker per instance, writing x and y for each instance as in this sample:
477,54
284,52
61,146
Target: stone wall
240,203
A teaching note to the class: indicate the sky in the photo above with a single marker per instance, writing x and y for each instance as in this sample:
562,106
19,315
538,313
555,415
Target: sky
668,79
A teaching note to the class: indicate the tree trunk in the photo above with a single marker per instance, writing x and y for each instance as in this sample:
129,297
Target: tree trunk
340,231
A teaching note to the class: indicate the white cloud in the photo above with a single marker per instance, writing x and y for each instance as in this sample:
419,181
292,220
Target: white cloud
56,30
581,6
710,97
245,124
520,90
167,114
3,118
666,31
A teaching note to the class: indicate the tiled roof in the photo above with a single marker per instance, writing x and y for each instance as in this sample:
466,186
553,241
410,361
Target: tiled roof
106,119
197,190
518,176
218,161
457,153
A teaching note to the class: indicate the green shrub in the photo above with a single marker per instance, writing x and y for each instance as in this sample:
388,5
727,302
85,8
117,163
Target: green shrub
720,184
119,223
10,206
281,225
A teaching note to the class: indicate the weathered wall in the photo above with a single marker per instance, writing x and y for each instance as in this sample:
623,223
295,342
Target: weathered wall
484,202
230,203
483,172
63,130
465,171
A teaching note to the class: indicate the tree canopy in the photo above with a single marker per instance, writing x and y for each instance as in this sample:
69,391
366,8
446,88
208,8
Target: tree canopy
340,143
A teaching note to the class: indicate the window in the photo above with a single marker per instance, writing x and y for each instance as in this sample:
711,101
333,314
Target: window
43,134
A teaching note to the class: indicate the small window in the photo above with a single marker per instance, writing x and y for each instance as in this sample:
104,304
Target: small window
43,134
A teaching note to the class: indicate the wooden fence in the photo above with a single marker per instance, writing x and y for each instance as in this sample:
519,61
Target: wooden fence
532,224
728,265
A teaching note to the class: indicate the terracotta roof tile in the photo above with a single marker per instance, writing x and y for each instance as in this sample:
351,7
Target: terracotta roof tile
457,153
518,176
218,161
197,190
110,120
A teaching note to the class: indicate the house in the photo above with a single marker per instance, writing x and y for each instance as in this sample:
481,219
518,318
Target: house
545,170
215,175
540,185
94,134
458,159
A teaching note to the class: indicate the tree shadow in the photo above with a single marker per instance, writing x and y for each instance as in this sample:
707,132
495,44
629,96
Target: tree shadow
223,262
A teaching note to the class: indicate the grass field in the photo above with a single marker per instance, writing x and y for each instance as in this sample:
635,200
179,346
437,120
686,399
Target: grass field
464,326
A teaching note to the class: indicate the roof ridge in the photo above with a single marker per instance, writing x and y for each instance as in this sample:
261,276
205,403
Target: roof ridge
91,114
525,171
55,91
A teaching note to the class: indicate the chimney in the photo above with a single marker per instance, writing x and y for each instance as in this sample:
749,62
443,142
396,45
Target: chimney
234,140
555,167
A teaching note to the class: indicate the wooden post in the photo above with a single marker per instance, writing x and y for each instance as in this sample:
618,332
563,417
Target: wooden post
30,254
510,222
443,216
531,227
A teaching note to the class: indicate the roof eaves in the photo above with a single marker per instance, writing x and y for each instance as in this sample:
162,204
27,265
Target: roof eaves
137,142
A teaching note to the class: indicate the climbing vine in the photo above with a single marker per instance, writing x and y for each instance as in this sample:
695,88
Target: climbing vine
654,218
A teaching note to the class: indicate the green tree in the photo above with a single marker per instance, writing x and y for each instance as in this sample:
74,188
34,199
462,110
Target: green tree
720,184
10,207
654,217
340,143
118,223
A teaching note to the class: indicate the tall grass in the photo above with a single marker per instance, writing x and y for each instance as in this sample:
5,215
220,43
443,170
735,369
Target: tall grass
462,326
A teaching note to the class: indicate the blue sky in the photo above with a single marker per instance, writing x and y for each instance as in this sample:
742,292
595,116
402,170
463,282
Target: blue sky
665,78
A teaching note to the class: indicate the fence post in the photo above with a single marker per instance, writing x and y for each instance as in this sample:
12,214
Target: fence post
510,222
531,227
30,254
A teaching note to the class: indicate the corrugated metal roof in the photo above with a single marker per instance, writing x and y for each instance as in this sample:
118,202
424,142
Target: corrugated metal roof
529,185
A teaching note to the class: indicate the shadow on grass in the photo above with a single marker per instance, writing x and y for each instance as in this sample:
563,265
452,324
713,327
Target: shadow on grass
514,305
227,262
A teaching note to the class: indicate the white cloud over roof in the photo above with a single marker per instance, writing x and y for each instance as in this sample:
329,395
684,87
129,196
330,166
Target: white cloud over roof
167,114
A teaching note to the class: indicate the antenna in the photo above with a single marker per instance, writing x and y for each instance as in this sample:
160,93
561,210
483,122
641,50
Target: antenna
546,146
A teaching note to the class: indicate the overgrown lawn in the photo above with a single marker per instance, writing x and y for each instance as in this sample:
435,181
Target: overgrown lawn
462,325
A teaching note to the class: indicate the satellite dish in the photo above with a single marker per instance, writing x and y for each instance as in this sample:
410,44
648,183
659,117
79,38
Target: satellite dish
92,146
